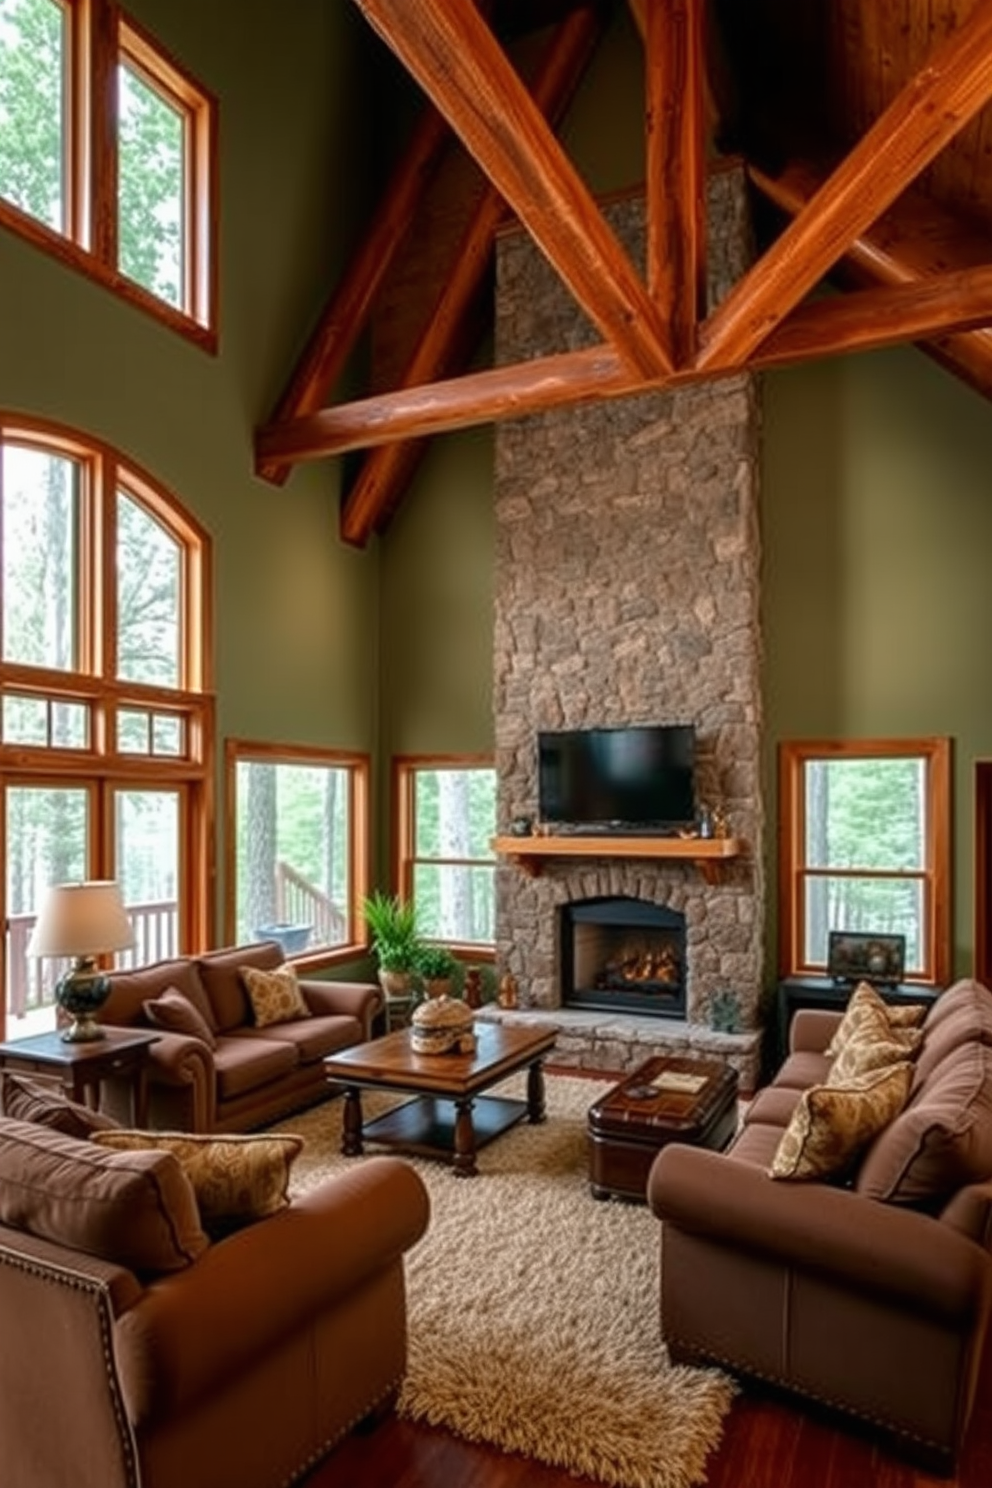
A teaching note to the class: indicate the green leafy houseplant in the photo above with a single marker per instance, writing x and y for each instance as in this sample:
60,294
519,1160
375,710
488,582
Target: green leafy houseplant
392,926
437,967
436,963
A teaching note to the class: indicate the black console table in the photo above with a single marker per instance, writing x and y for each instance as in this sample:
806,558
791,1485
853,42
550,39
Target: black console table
822,992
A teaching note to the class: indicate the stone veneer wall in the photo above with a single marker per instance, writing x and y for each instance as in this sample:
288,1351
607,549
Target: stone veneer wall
627,566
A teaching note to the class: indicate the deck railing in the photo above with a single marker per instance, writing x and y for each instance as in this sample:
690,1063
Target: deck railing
31,980
300,902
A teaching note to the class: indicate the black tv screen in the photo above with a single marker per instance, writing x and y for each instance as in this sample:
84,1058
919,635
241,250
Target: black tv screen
616,777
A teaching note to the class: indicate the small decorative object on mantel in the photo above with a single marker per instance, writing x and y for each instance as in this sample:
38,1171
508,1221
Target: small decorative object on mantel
725,1011
521,826
704,821
721,826
442,1025
507,994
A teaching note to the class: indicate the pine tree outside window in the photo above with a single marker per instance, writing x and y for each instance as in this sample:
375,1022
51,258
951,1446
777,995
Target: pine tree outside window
108,156
864,828
446,864
106,719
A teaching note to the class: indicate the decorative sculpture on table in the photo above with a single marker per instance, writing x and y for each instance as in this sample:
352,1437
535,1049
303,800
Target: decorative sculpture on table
82,920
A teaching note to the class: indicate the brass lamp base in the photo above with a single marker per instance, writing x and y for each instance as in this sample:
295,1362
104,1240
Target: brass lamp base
81,993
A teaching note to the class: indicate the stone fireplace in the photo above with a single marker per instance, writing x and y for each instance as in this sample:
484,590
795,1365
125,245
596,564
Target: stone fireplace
622,955
627,567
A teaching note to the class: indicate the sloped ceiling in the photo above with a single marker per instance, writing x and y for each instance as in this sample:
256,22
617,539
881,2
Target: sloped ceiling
866,132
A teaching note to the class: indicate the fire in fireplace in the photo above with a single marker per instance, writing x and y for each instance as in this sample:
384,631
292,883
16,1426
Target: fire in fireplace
623,955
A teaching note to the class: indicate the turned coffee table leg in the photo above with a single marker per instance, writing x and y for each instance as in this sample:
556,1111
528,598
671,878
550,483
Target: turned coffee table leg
351,1124
535,1092
464,1140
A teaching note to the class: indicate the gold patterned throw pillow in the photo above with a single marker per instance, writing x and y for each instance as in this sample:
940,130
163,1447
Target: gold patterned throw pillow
873,1050
275,996
867,1013
236,1178
832,1124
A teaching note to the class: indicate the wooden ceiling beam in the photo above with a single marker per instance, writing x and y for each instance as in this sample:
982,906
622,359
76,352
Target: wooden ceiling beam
343,317
912,241
676,169
386,472
452,53
924,116
861,321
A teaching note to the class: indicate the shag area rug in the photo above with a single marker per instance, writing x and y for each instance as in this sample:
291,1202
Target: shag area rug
533,1308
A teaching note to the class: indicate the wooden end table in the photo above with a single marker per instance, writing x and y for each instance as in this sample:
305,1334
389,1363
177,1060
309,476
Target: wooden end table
448,1117
82,1068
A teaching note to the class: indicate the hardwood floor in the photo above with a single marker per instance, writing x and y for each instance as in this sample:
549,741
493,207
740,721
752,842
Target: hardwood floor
766,1444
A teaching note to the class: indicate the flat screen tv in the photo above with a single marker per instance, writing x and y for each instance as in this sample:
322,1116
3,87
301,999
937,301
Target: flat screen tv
618,778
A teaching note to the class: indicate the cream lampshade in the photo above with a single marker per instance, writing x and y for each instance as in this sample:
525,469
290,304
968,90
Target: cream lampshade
84,920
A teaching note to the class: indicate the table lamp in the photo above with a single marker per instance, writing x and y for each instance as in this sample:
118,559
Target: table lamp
84,920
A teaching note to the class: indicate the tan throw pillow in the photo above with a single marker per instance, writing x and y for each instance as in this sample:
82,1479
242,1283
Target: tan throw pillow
832,1124
28,1100
275,996
135,1209
236,1178
176,1014
868,1014
868,1051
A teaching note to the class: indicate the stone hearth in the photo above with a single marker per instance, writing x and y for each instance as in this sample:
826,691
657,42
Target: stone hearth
627,567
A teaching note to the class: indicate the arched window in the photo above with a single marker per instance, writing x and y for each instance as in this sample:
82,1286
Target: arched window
106,714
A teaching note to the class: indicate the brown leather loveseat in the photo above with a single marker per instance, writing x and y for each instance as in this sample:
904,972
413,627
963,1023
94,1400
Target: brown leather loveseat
232,1075
140,1353
870,1291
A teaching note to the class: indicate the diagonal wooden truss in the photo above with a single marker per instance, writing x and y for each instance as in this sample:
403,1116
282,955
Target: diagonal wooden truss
655,331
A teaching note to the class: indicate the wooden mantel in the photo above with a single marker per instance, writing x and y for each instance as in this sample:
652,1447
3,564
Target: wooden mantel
530,853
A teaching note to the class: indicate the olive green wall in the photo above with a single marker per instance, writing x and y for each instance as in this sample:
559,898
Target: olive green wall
876,597
296,611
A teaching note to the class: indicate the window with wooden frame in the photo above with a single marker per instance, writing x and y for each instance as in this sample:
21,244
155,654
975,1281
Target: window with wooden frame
108,156
864,845
446,819
106,718
297,848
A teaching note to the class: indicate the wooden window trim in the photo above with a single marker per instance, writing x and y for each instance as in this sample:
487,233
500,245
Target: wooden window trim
793,756
100,767
99,36
358,767
403,835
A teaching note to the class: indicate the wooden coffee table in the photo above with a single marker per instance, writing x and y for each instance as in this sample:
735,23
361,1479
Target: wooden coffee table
448,1117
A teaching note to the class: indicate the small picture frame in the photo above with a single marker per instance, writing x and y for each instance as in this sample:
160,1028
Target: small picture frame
854,956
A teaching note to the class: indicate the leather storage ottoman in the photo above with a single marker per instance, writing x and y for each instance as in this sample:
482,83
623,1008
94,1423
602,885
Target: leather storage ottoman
666,1099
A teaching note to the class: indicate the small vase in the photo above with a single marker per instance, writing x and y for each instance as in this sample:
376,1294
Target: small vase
438,986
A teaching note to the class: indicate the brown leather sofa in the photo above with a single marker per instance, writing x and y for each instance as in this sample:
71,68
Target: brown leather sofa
870,1293
238,1368
245,1076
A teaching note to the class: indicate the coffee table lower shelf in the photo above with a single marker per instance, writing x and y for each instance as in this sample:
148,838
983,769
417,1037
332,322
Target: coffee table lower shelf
428,1126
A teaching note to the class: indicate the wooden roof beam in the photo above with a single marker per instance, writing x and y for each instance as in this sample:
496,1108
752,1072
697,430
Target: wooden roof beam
676,168
925,115
454,56
346,311
911,242
860,321
389,469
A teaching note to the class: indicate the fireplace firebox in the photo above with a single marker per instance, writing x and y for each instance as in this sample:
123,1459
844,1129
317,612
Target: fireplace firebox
623,955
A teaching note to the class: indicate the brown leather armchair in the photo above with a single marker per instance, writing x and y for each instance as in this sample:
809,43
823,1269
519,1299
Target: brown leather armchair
239,1371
